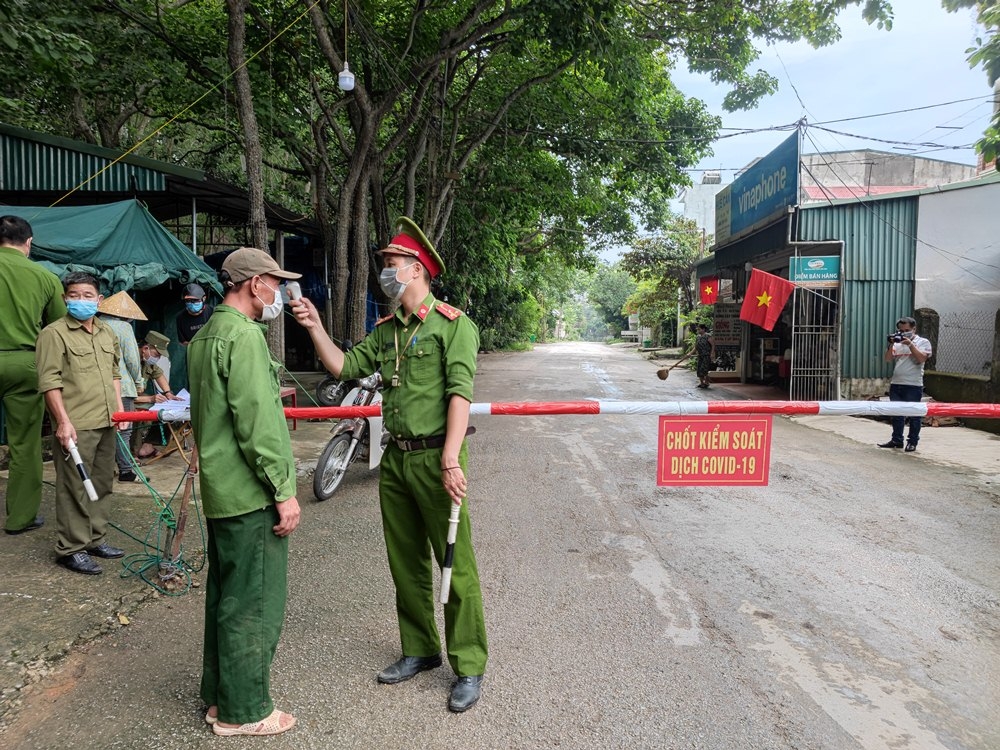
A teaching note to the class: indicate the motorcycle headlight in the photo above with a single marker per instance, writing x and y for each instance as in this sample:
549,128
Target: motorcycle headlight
371,382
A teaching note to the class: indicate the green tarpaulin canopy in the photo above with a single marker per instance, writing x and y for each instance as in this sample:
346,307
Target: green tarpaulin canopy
121,243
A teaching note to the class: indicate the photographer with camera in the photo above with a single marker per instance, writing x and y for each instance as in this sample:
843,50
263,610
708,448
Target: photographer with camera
908,352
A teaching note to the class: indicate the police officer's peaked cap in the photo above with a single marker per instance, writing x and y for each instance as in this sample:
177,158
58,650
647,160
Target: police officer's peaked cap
411,241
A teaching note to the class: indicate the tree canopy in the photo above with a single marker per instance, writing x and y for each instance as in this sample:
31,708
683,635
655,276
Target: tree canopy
521,134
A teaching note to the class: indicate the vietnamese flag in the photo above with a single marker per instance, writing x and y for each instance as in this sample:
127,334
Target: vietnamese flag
765,299
709,287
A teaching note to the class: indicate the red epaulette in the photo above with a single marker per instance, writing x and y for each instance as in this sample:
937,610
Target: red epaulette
448,311
380,321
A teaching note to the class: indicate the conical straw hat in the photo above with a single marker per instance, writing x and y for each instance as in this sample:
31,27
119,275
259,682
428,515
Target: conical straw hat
121,306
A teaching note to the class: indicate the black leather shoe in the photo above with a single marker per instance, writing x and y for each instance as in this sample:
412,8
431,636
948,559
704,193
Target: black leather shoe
890,444
80,562
36,524
106,551
465,693
910,447
407,667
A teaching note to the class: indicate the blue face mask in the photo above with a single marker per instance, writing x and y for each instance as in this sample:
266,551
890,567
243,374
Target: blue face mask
194,307
82,309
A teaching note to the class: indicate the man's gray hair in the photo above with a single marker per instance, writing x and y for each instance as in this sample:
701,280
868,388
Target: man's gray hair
909,321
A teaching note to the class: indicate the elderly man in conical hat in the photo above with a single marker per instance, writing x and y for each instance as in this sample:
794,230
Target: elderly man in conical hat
117,311
426,351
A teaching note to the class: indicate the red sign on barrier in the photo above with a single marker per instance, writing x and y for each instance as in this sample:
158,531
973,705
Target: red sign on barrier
712,451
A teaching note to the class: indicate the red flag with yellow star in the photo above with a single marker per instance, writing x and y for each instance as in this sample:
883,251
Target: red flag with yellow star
709,287
765,299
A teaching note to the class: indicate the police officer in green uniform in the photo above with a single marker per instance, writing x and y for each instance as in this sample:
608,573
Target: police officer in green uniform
30,297
426,352
79,374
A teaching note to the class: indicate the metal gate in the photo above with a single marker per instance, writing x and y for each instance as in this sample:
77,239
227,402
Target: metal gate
815,373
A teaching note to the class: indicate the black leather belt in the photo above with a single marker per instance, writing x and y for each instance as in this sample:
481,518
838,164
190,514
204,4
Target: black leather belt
420,444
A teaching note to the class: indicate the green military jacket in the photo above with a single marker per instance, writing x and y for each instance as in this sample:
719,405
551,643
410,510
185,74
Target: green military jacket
30,298
244,450
437,347
85,365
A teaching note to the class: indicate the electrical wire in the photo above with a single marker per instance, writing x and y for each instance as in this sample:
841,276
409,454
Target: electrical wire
946,254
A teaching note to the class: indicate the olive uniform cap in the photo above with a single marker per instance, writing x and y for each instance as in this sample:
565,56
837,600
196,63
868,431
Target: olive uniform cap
157,339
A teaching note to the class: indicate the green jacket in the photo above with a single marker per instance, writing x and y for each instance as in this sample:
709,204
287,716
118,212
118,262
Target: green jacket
438,347
244,450
31,297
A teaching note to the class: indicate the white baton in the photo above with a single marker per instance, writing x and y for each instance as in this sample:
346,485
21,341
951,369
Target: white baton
449,552
87,484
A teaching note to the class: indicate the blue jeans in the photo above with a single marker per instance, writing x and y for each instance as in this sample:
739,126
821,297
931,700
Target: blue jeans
906,393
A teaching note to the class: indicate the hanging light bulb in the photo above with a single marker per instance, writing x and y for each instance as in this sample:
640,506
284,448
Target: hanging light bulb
346,78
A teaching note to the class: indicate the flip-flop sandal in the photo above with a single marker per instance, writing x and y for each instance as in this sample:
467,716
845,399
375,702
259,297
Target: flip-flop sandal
209,719
263,728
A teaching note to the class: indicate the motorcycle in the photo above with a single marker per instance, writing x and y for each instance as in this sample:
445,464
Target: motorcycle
353,438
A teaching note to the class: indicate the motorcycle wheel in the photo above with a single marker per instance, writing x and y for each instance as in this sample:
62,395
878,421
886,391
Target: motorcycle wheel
331,392
332,466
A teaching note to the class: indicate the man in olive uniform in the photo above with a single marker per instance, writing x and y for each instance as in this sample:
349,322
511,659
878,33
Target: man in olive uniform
30,297
155,376
79,374
248,492
426,352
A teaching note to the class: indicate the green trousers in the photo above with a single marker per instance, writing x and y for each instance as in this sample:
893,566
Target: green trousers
415,510
80,522
24,408
244,611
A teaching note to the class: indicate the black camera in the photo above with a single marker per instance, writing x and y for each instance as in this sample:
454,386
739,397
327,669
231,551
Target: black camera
894,338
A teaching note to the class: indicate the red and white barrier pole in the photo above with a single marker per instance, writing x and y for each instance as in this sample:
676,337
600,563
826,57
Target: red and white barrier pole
667,408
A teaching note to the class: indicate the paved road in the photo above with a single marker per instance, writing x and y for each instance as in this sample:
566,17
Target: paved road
852,603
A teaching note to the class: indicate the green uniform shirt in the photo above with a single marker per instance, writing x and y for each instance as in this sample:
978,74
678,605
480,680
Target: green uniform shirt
148,378
438,348
30,298
84,365
244,450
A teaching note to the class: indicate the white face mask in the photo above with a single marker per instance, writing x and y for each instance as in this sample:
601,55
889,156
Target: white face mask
151,360
391,284
271,311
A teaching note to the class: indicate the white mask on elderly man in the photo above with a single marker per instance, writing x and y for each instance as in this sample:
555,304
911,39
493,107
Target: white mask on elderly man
271,311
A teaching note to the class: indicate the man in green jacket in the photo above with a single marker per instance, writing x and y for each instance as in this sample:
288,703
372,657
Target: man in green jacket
248,494
30,298
426,352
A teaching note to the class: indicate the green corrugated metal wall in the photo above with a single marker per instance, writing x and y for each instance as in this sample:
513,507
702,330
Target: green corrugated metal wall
29,165
877,269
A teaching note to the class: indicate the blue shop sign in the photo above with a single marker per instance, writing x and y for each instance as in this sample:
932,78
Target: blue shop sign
759,195
815,271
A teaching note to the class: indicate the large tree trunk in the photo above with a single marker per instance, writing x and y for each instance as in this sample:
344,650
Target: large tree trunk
252,152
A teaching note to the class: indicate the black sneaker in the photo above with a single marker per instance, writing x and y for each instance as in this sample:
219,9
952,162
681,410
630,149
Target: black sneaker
890,444
127,476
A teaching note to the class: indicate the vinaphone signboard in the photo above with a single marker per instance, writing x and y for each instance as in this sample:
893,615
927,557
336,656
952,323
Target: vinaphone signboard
759,195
